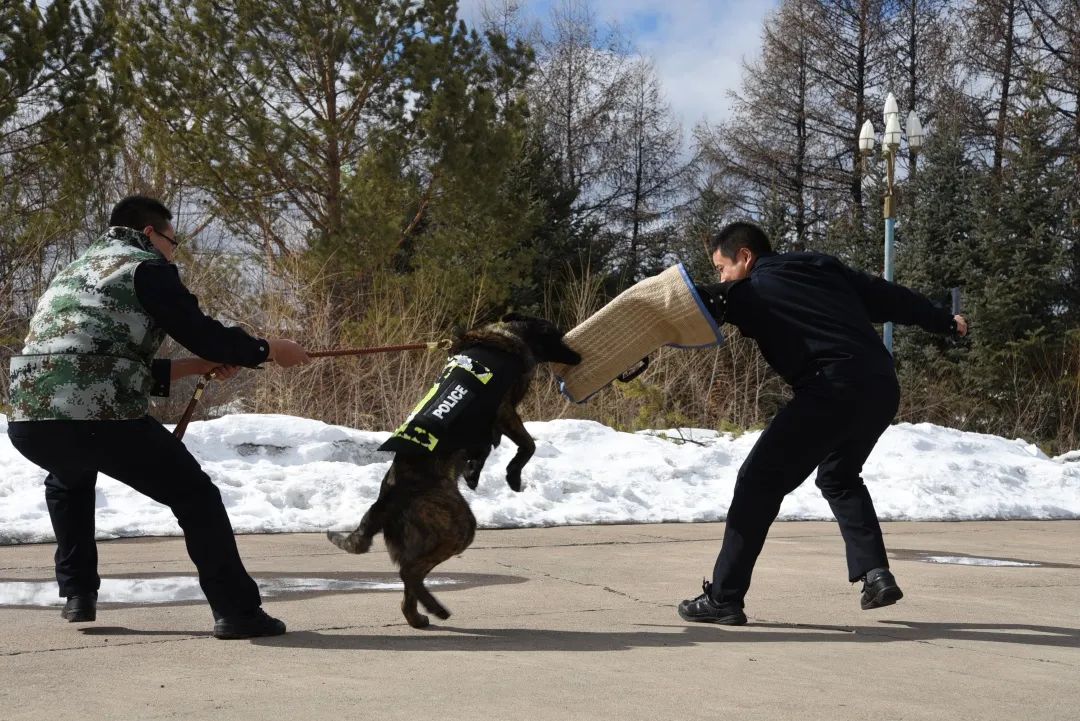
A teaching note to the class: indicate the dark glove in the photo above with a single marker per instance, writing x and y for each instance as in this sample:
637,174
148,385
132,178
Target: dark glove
714,296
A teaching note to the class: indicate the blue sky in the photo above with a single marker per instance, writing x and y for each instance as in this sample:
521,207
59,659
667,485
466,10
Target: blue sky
697,45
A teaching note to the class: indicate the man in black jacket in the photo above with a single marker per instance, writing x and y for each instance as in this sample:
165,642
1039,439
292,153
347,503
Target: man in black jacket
812,318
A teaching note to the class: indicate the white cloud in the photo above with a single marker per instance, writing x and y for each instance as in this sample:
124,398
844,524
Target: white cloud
697,45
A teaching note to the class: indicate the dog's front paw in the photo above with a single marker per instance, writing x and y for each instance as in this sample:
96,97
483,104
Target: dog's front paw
351,542
513,479
472,474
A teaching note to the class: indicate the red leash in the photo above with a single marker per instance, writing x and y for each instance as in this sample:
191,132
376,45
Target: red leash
443,344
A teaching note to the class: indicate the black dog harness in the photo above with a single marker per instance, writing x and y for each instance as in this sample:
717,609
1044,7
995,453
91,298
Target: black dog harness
459,410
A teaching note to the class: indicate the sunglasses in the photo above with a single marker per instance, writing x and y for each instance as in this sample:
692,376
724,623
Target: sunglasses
174,241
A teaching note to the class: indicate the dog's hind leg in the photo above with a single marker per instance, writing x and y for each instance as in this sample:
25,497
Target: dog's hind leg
359,541
413,578
409,610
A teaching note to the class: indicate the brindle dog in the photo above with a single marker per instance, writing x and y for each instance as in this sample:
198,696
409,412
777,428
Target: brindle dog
421,513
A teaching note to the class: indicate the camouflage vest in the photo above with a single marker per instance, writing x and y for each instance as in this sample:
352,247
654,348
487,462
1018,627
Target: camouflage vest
91,344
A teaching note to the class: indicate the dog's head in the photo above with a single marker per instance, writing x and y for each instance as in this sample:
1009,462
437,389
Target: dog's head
543,338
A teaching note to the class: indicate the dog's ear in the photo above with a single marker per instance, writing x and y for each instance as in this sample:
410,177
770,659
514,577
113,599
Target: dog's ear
511,317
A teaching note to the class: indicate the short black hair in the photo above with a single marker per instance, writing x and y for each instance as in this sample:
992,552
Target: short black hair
737,235
139,211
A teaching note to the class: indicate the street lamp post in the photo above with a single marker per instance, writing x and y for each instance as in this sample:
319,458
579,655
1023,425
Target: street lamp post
890,146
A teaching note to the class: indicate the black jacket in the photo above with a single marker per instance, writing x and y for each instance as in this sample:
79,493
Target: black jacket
173,307
811,314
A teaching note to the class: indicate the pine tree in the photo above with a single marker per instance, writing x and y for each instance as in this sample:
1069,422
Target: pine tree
992,48
581,81
923,65
936,247
58,133
1021,238
772,143
648,174
848,53
1019,277
1053,63
372,133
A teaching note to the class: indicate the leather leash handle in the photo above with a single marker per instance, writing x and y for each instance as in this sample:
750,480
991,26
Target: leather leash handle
181,427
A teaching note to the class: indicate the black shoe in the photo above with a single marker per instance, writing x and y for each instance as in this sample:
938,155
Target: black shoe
247,625
705,610
80,608
879,589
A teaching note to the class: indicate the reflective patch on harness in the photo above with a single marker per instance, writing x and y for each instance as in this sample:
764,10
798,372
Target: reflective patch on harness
415,434
481,372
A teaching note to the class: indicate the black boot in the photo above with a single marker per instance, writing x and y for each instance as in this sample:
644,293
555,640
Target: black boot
251,624
80,608
879,589
705,610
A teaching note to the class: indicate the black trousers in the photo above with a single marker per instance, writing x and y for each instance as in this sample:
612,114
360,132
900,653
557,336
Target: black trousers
829,425
142,454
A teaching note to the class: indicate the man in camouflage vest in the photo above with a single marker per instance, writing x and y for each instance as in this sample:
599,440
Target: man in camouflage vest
79,398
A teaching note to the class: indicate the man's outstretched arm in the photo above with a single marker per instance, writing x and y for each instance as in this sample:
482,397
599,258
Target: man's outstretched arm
886,301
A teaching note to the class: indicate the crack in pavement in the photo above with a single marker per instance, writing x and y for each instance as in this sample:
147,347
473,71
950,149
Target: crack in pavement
609,589
180,637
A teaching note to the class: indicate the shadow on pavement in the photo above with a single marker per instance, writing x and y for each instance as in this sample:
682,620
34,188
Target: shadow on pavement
125,631
450,638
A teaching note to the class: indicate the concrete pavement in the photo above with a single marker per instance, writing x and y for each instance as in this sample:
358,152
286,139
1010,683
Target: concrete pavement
578,623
